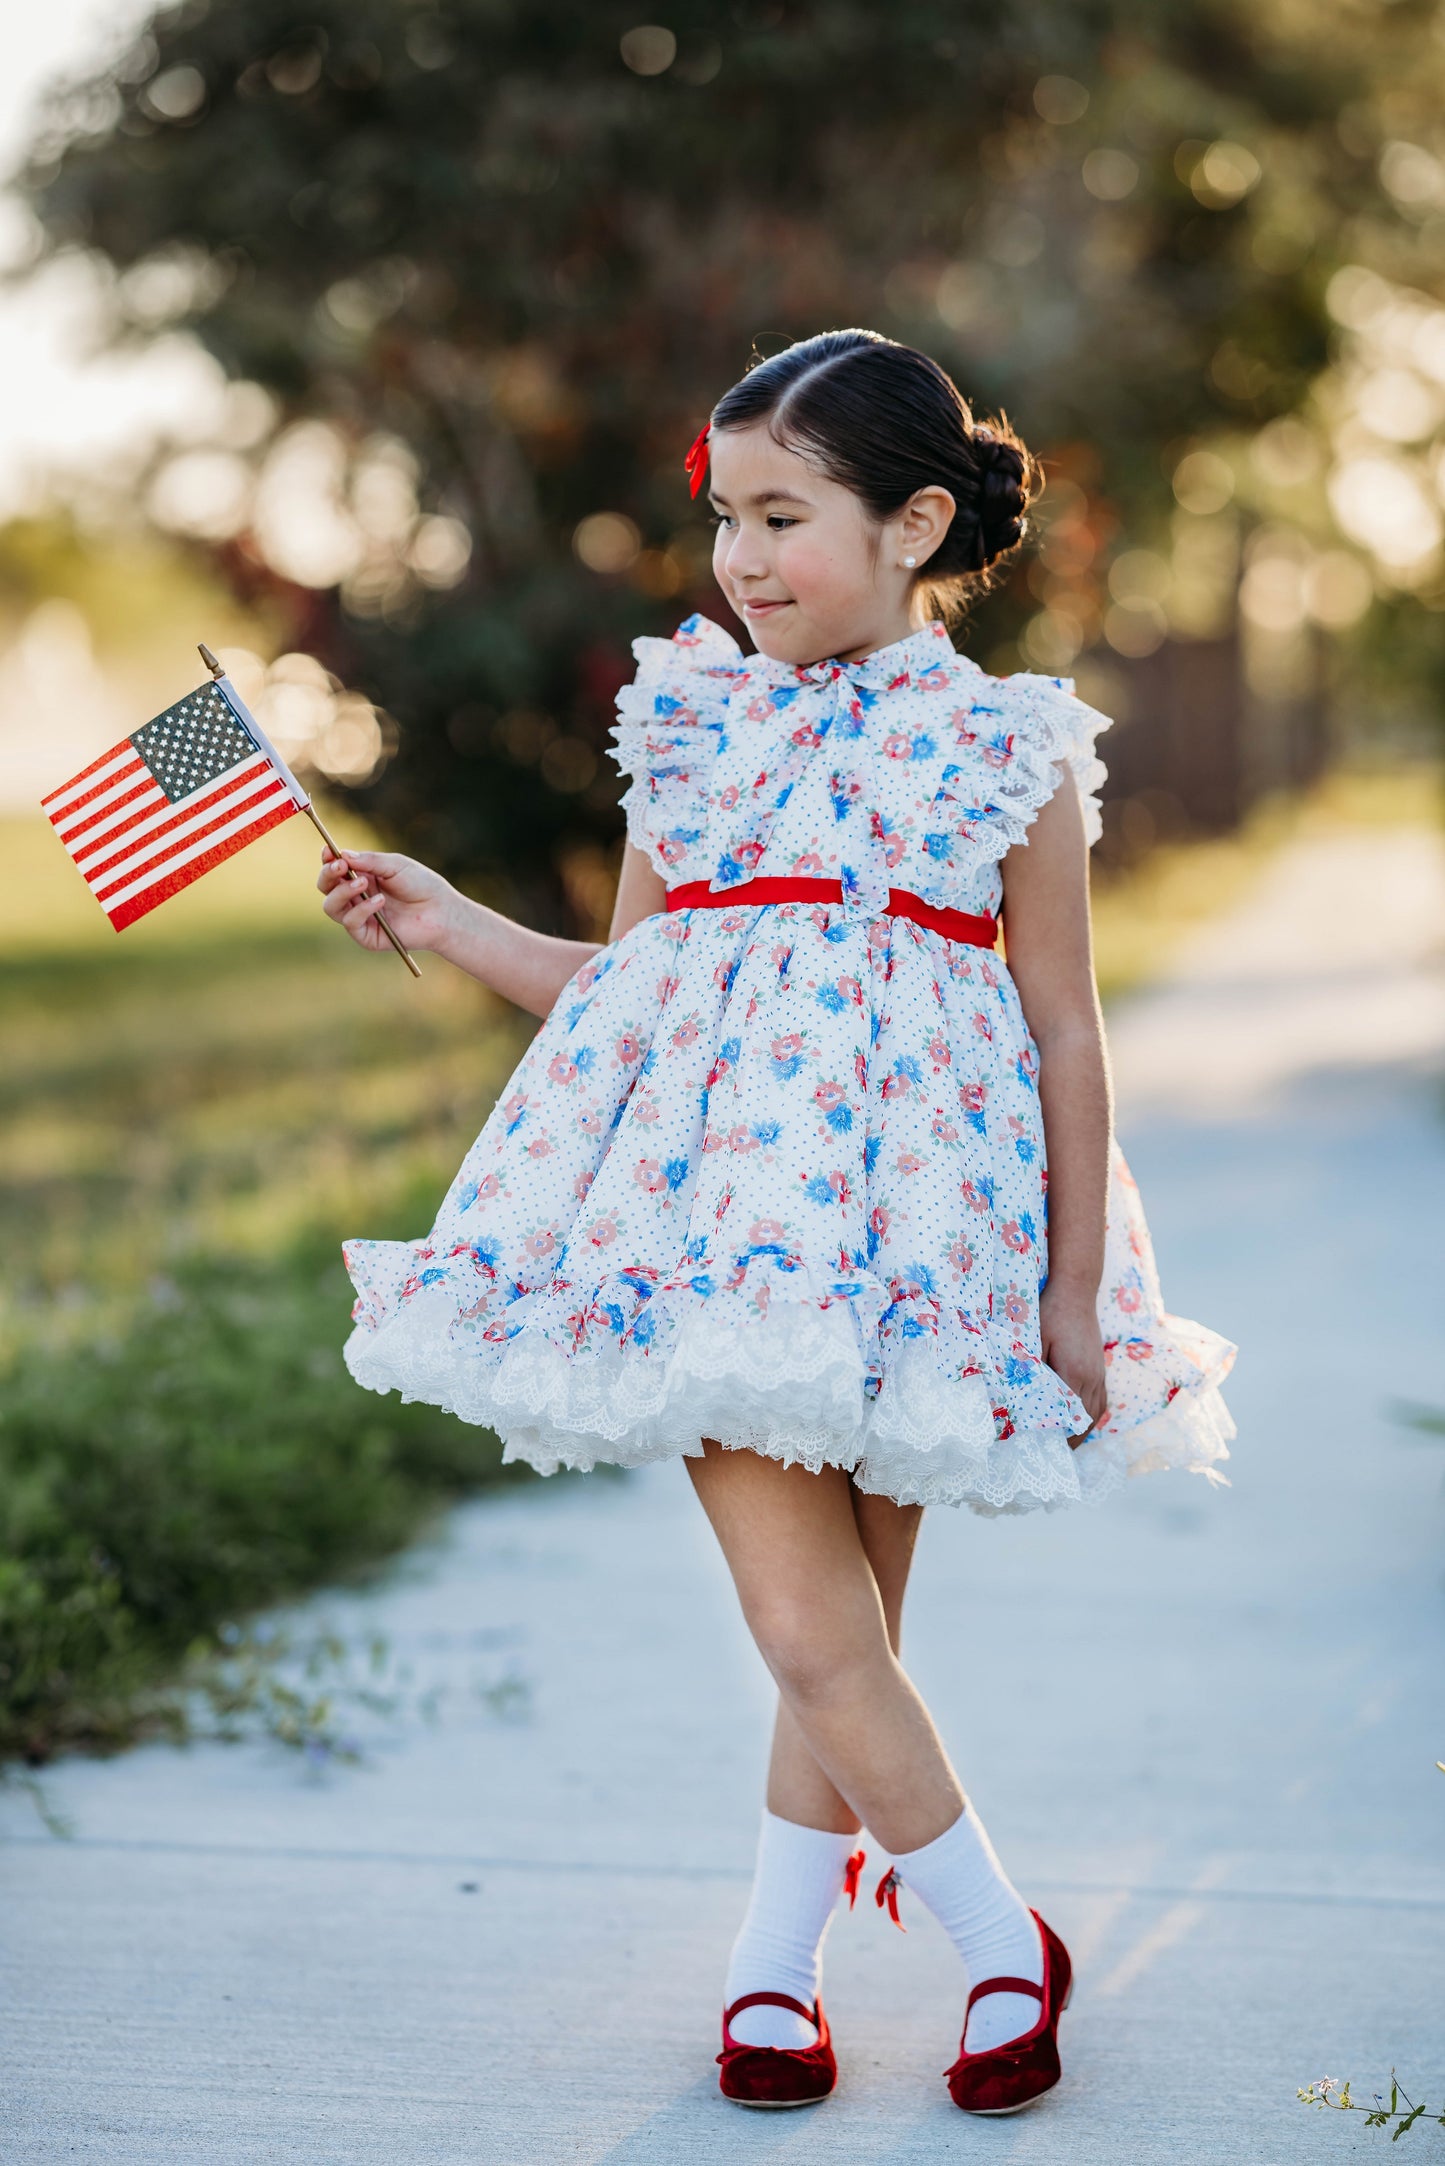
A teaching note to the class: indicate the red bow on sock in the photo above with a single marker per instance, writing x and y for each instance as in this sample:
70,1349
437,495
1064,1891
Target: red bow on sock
887,1894
852,1874
695,464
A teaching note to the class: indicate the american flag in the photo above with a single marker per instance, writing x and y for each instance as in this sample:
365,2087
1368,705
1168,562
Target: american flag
187,791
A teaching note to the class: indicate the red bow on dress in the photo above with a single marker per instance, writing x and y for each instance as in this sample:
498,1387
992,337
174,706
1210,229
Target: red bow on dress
695,464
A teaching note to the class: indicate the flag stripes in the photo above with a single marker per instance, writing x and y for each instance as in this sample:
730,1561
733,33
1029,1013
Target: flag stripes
156,812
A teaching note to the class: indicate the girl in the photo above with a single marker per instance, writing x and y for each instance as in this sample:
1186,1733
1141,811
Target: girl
768,1191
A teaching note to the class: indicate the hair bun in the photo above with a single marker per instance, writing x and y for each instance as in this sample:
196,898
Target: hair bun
1001,493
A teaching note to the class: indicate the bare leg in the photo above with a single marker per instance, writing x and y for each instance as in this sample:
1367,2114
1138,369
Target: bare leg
797,1787
795,1547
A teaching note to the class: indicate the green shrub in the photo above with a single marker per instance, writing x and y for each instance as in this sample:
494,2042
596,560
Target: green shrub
160,1483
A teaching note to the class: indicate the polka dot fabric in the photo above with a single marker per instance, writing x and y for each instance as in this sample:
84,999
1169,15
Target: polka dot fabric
775,1174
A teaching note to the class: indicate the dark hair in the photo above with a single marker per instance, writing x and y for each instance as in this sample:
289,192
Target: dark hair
885,421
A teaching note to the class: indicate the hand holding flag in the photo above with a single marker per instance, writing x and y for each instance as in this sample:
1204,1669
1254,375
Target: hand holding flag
182,794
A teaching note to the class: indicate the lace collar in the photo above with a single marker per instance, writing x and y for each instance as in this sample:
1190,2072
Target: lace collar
897,664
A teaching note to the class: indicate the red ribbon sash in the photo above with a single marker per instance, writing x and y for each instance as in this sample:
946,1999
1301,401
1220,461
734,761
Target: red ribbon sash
977,932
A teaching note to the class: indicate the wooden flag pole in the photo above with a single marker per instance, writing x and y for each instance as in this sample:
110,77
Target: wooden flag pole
332,845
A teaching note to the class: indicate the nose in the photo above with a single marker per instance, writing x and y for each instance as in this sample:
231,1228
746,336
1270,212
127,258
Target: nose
743,559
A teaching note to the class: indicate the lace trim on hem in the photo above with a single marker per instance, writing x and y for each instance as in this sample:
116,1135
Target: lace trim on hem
924,1440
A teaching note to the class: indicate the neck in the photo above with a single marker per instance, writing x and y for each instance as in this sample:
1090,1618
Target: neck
899,625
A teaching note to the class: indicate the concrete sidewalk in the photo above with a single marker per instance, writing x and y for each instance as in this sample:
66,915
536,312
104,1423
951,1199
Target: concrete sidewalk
1208,1754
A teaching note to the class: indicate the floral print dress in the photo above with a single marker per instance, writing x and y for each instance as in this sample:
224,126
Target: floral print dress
774,1174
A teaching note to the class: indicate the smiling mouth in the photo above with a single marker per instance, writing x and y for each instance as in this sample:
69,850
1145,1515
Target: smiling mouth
759,608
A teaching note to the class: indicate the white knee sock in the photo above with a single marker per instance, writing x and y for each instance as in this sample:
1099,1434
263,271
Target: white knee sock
958,1876
796,1887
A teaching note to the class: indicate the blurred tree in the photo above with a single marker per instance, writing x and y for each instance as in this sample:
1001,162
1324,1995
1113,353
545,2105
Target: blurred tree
494,259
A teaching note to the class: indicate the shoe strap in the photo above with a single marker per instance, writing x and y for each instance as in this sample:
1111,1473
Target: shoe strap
1002,1985
772,2000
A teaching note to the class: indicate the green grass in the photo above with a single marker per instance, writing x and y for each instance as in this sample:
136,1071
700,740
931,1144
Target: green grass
192,1115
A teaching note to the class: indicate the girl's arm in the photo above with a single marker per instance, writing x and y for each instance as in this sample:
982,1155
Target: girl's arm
426,911
1050,954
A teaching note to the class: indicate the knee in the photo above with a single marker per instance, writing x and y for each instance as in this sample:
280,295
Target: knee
811,1654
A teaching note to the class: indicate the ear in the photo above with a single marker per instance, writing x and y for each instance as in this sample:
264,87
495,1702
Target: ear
923,522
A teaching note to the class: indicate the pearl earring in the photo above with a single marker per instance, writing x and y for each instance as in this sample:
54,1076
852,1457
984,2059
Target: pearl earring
909,563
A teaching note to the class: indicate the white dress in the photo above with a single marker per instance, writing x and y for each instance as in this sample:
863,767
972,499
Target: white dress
774,1174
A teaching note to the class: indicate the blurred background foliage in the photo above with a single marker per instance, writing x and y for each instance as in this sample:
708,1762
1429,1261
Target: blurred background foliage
475,273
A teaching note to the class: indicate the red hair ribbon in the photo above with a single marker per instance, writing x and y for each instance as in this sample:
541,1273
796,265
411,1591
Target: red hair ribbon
695,464
888,1888
852,1874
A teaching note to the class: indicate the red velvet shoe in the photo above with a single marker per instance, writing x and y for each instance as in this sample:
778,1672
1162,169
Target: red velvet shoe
1009,2077
777,2076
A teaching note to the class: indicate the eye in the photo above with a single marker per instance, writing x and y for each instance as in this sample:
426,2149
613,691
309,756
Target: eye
779,519
720,518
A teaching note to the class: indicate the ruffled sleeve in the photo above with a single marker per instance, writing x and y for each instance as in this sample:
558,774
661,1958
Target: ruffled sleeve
671,722
1051,728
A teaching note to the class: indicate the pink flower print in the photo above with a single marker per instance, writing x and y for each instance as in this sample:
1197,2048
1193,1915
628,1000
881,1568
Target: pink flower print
712,1141
984,1027
648,1174
581,1183
1003,1424
741,1138
910,1162
808,863
760,710
628,1048
973,1196
932,680
939,1051
724,1205
515,1107
828,1097
764,1231
540,1243
542,1147
562,1068
671,850
488,1187
727,799
988,974
971,1097
998,751
589,1120
1015,1307
879,1221
646,1110
666,987
960,1255
1139,1350
943,1129
1012,1235
603,1233
1128,1298
686,1034
860,1069
898,747
896,1085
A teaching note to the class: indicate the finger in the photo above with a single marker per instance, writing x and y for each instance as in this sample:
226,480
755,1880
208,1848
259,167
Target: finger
360,915
332,873
377,861
348,888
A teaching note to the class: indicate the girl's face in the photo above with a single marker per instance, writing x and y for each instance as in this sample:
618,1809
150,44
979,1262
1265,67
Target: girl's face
810,573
